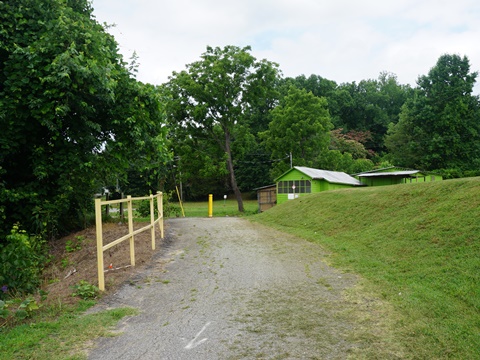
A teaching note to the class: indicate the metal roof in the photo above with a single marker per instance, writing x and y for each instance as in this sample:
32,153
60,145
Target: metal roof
265,187
330,176
392,173
374,171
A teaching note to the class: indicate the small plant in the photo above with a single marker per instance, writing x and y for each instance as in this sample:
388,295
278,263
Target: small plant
4,313
65,263
43,294
74,245
85,290
17,309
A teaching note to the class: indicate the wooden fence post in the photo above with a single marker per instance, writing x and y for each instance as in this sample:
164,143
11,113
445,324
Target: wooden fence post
98,225
152,221
131,233
160,211
130,230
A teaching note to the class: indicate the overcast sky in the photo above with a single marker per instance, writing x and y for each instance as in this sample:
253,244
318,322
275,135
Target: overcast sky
341,40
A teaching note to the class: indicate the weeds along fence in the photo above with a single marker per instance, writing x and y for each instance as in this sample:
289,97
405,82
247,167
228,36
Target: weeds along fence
131,233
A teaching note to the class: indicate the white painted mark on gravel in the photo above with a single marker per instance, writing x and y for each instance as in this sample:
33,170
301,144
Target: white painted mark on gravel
194,343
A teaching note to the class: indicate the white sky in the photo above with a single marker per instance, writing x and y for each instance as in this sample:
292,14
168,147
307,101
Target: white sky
341,40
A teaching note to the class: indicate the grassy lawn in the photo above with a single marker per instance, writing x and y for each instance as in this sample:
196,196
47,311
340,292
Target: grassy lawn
228,207
62,337
417,246
221,207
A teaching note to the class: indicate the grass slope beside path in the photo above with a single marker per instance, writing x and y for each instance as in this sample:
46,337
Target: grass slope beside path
66,338
417,245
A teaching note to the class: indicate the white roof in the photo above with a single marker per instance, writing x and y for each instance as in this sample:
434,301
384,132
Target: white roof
330,176
392,173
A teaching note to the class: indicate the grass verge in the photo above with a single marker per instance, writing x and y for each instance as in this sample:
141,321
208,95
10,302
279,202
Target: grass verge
418,248
220,208
66,337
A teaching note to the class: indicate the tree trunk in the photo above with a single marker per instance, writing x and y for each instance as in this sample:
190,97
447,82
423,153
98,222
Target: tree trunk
233,181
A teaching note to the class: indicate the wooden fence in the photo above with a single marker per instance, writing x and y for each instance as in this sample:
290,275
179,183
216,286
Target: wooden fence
131,233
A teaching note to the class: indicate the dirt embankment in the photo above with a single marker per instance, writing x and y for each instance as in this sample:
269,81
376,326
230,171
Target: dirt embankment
74,258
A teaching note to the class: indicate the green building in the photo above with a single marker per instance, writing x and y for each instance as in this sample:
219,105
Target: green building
300,181
394,175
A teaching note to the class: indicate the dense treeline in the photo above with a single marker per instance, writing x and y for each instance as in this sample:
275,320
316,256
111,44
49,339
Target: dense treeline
75,120
313,121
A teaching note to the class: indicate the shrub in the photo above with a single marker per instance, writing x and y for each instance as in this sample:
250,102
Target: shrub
85,290
17,309
457,173
170,209
22,259
144,208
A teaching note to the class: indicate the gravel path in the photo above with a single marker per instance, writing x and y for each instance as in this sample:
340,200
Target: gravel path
226,288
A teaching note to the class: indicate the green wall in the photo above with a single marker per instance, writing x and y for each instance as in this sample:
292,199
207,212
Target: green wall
423,178
382,181
293,175
316,185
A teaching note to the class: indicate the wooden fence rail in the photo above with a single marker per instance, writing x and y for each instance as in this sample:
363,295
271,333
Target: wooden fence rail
131,233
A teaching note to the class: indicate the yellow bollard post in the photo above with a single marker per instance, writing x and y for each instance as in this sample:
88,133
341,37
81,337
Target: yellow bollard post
210,205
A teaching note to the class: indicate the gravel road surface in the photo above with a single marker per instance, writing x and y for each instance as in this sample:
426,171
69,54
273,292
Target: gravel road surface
226,288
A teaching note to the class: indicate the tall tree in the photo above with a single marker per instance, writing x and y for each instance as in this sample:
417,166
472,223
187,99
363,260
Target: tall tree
199,165
370,105
315,84
439,127
300,125
69,111
252,160
216,94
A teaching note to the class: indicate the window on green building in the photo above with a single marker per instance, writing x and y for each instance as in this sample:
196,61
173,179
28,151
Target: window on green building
295,187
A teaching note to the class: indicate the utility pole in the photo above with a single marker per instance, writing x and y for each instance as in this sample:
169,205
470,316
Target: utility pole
178,158
291,162
181,187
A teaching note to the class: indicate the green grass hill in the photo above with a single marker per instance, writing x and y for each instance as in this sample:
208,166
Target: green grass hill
416,246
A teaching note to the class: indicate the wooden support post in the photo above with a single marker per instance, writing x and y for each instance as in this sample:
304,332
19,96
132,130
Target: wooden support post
98,225
130,230
130,236
152,221
122,218
107,207
160,212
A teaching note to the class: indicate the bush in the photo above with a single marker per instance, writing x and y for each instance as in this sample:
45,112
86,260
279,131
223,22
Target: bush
457,173
85,290
169,209
143,208
450,173
22,259
17,309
